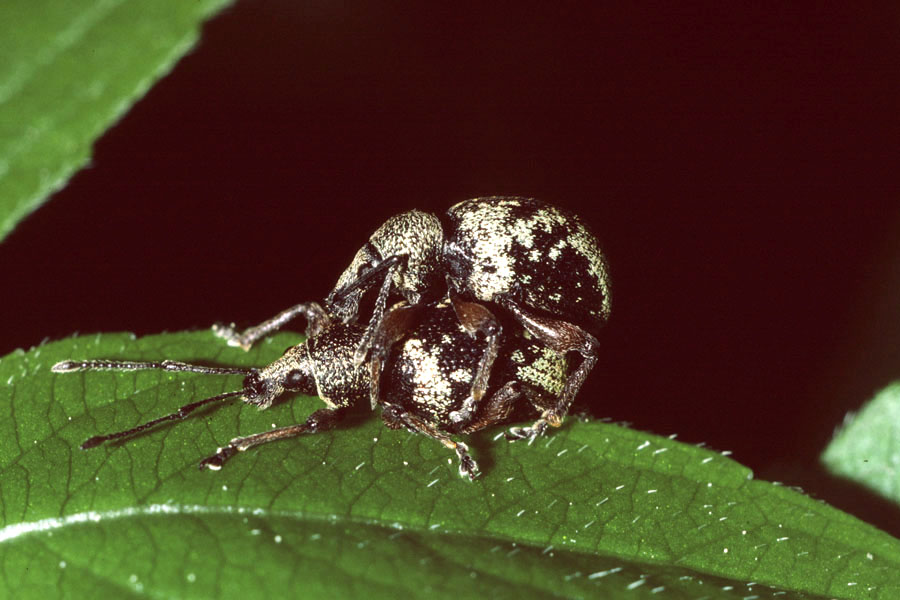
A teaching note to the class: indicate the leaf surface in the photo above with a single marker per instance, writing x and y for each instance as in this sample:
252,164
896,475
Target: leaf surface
69,70
867,447
592,510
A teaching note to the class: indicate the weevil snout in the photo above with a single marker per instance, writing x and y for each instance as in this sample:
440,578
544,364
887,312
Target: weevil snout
256,389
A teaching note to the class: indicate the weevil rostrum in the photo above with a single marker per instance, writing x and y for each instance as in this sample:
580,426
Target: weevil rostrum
424,384
539,264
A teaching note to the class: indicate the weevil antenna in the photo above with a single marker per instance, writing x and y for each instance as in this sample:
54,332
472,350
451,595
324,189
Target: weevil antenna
69,366
366,277
178,414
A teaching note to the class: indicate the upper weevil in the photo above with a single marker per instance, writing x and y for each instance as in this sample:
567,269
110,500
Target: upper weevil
537,261
425,383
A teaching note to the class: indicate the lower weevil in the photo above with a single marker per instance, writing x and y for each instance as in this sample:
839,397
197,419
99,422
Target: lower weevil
424,386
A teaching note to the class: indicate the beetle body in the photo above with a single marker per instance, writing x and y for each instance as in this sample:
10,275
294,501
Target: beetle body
494,246
426,382
538,262
535,252
430,372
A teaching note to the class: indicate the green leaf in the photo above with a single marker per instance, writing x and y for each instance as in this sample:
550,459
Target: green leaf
592,510
69,70
867,447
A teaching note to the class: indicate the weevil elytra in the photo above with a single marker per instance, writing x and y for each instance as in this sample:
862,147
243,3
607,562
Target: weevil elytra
539,263
424,384
426,380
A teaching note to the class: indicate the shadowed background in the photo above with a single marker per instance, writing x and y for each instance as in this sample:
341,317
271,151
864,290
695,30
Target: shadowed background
737,163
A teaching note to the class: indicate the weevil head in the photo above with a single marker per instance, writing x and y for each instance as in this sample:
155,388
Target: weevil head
293,372
343,301
321,366
412,241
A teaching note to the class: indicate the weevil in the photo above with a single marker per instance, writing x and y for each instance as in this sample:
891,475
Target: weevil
424,383
541,264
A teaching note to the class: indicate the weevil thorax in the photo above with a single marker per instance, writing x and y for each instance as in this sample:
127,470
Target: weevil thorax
321,366
337,379
417,236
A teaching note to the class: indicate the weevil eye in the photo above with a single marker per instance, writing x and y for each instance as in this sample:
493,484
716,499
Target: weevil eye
296,381
373,258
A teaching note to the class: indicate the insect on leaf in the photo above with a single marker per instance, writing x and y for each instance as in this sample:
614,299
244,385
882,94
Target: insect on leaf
592,510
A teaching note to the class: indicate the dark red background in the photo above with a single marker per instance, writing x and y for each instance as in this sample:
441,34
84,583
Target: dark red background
738,163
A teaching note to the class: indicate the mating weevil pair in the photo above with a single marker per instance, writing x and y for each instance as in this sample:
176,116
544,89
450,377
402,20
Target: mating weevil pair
536,263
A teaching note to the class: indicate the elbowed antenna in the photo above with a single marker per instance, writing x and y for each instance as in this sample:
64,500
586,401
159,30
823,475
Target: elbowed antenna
366,277
69,366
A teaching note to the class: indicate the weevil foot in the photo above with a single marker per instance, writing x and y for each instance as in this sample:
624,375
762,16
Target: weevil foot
230,335
466,411
467,465
527,433
218,459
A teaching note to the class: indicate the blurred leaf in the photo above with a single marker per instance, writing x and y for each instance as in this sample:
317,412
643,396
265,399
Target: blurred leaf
867,447
593,510
69,70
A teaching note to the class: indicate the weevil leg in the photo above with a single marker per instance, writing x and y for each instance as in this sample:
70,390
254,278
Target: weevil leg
543,402
316,317
396,418
476,318
495,409
530,433
321,420
375,323
562,337
397,322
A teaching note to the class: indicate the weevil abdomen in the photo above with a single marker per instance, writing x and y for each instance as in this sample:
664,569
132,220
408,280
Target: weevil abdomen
526,248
